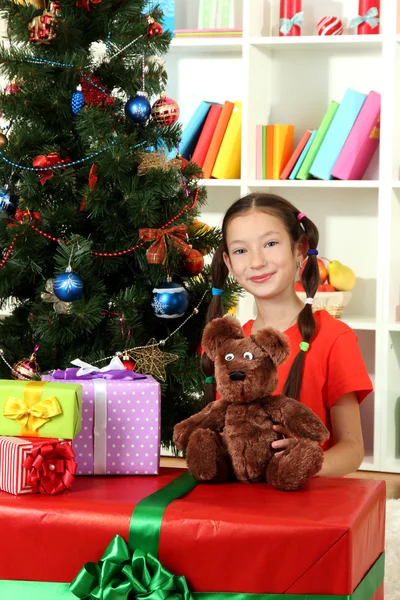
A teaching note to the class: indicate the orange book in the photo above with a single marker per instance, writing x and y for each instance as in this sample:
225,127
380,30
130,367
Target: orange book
282,148
206,135
296,154
270,152
217,138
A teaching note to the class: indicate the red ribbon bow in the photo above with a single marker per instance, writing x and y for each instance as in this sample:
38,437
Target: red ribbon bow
51,468
86,3
24,215
157,252
44,162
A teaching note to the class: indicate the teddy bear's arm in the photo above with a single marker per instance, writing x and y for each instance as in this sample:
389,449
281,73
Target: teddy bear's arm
298,418
211,417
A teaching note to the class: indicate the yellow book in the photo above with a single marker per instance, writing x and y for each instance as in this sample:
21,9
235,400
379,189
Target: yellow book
283,148
227,164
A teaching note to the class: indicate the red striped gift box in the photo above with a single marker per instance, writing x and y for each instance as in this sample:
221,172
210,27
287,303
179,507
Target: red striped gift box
16,479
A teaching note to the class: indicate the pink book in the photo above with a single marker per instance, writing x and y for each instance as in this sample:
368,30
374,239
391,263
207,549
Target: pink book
259,135
362,141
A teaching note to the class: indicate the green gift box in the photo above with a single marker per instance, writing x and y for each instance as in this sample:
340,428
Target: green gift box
40,409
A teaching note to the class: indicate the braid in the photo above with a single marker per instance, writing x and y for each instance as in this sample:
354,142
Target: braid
306,323
219,276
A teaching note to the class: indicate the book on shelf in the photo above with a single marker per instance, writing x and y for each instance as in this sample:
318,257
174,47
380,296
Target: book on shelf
192,131
206,135
259,152
208,33
296,155
304,171
227,164
337,133
217,138
217,14
303,155
282,148
362,142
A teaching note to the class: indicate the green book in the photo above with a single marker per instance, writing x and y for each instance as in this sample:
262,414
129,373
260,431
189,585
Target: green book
264,152
304,172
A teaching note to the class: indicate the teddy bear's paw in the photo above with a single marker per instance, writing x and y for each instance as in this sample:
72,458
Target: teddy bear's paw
291,470
207,458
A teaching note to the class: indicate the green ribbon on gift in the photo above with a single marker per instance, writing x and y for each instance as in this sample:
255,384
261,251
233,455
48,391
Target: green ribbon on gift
133,572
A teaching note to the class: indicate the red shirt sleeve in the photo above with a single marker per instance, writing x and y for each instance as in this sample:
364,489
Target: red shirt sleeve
346,370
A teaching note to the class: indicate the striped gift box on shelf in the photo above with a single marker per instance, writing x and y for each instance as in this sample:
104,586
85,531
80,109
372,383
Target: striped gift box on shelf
13,477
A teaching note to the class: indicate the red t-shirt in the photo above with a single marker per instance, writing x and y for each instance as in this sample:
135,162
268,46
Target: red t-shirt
333,365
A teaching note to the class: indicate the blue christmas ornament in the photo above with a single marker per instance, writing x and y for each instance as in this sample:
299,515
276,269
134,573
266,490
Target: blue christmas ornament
6,204
77,100
68,286
170,300
138,108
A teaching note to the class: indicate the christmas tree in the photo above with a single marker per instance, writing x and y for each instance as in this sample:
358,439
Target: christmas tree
96,213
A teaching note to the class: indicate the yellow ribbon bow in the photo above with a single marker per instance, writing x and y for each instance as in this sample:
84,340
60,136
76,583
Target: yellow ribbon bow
33,417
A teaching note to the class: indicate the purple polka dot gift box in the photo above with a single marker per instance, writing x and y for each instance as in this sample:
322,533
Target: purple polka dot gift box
120,432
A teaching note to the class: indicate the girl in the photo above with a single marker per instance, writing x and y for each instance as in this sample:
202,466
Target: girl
265,241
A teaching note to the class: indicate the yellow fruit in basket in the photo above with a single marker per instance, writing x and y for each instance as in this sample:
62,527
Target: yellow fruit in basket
341,277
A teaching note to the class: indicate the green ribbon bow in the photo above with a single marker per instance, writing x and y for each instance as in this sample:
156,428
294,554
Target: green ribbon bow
369,17
287,24
121,575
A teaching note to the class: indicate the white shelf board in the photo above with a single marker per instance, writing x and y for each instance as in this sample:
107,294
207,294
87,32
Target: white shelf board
312,41
396,185
394,326
221,182
317,183
368,464
359,322
199,45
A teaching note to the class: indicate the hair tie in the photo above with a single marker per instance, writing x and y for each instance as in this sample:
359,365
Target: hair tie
309,301
216,291
312,252
210,379
301,216
304,346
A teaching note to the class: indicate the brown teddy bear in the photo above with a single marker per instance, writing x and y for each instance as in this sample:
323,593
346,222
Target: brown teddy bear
231,438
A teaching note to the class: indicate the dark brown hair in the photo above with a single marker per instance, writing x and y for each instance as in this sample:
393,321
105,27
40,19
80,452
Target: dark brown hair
287,213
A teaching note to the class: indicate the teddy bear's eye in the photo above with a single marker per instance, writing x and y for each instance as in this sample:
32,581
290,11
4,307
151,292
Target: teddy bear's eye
248,356
229,356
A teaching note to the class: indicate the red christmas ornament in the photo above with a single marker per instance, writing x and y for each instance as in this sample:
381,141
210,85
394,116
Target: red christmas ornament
194,263
154,29
26,369
12,88
165,111
128,363
43,28
86,3
92,95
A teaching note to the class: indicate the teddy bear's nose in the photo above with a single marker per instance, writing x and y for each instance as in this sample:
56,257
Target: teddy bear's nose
237,375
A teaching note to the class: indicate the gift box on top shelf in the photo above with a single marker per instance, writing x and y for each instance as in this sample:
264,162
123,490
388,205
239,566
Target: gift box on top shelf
40,409
36,465
325,541
120,432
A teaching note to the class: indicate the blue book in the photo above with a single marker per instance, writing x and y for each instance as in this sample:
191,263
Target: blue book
192,131
337,134
168,8
302,156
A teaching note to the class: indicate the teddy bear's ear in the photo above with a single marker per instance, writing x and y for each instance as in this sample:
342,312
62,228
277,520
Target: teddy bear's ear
219,331
274,343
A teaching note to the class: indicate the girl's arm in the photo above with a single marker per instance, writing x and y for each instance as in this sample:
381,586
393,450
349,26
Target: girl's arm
347,453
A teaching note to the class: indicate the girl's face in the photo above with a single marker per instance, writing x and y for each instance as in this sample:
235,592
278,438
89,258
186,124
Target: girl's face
260,255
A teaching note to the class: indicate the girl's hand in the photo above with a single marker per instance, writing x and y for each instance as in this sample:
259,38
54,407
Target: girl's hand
286,443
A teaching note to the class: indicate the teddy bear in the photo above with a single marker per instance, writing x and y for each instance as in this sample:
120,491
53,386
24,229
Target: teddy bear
231,438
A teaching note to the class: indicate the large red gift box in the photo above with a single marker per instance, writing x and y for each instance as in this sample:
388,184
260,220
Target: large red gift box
322,540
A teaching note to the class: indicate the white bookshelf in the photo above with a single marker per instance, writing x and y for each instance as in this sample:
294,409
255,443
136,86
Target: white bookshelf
293,80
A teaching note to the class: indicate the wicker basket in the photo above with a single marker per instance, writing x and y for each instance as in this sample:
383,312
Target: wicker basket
332,302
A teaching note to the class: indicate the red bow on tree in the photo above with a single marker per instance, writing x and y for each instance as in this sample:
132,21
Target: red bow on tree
51,468
157,253
44,162
86,3
24,215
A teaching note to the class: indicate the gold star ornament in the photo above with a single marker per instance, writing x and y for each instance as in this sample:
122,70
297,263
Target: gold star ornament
150,360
